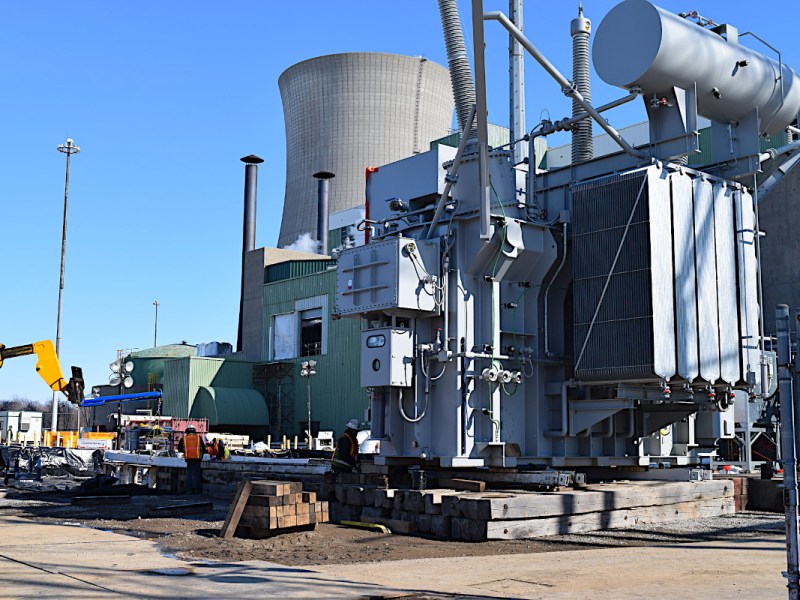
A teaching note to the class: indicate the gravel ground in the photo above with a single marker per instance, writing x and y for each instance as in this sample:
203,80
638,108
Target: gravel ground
195,537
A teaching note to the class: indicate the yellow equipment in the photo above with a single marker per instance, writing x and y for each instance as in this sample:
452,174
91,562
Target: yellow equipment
49,368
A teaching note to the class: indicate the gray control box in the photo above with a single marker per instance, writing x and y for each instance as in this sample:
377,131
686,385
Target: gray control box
398,276
387,357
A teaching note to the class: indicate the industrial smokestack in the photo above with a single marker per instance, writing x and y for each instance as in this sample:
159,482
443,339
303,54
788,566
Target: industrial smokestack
457,60
249,226
516,66
323,178
581,29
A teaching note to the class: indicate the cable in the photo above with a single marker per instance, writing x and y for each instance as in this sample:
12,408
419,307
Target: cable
403,412
424,372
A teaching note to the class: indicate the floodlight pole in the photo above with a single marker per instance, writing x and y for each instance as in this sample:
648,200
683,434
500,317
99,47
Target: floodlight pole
307,371
155,328
69,148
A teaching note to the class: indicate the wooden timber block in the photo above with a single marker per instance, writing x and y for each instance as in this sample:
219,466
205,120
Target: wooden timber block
271,488
237,508
396,525
609,519
468,485
309,497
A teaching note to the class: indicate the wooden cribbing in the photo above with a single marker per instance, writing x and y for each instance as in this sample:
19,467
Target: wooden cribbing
262,508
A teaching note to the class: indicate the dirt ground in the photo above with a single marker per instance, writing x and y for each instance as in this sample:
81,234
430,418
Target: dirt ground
194,537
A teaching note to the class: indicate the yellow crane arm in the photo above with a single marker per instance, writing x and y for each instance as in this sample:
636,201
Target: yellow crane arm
47,364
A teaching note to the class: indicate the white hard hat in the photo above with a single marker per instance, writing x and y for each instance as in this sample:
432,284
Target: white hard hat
353,424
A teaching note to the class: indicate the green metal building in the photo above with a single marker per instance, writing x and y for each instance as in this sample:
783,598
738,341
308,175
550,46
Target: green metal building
218,389
298,299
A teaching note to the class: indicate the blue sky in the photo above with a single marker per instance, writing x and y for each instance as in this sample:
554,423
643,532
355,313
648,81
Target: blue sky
164,98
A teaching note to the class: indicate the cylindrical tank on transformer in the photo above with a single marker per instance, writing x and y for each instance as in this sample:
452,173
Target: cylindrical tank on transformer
638,44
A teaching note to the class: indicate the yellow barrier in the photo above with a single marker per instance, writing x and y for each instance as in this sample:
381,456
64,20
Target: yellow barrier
69,439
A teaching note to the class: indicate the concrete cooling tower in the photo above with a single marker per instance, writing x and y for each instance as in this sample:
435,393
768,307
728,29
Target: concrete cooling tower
346,112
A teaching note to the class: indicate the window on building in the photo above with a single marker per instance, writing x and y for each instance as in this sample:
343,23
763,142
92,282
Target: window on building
284,337
311,332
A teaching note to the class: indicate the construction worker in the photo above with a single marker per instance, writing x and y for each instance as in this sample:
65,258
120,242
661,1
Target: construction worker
213,449
345,457
222,451
193,448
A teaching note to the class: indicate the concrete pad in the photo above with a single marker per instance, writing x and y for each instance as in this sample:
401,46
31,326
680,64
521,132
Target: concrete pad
741,569
59,561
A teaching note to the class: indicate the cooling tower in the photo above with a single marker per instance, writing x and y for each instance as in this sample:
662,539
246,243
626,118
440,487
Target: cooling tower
346,112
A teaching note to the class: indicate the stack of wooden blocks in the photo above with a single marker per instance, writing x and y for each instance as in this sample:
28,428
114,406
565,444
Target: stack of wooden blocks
264,508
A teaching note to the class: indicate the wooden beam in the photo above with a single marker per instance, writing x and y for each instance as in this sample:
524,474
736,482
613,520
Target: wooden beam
237,507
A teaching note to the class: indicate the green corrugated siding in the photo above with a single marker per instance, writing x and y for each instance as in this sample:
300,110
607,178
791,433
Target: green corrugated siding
336,392
185,376
176,388
295,268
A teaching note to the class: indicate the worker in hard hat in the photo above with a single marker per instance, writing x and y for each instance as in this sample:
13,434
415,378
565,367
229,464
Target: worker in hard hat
193,448
345,457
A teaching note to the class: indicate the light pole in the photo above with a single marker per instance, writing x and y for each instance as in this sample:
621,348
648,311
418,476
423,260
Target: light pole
155,328
307,371
69,148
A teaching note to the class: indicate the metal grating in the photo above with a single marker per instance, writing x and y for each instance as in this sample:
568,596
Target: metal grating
625,333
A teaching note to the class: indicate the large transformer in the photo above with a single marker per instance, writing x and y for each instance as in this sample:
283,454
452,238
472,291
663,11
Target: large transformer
604,314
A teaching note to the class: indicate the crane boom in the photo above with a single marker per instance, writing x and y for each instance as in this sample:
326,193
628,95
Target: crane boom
48,367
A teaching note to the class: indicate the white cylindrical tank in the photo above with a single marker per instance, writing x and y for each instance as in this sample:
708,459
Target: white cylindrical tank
638,44
347,112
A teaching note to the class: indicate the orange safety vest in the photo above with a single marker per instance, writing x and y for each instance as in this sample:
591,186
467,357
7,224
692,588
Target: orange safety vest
192,448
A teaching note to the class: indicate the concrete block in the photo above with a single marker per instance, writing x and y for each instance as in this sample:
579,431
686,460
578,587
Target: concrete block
450,506
764,494
369,496
440,527
371,511
424,523
355,495
415,501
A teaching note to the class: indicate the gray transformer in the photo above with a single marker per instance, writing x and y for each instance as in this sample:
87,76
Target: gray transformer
607,316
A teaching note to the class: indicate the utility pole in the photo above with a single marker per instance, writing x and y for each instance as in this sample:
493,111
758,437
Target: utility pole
155,328
69,148
787,402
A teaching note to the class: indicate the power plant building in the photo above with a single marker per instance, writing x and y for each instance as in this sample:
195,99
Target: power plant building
346,112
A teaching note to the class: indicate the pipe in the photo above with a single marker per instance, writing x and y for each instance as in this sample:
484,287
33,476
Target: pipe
788,449
773,152
777,175
564,411
516,69
463,365
567,86
323,210
248,227
547,295
452,176
100,400
457,61
580,30
565,124
478,49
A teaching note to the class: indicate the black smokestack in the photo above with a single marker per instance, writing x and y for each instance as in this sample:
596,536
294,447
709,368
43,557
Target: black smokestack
323,177
249,227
